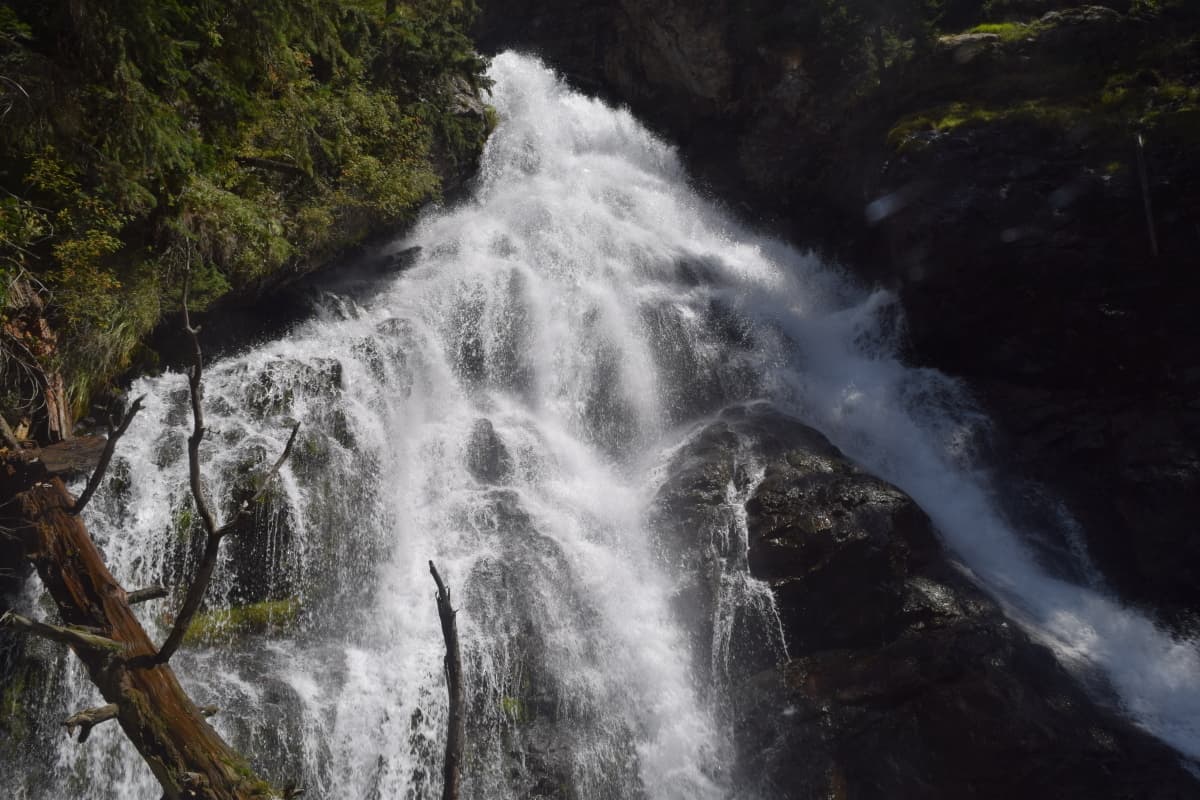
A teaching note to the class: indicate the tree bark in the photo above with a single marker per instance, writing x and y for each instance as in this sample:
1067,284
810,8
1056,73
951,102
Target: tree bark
185,754
457,732
58,407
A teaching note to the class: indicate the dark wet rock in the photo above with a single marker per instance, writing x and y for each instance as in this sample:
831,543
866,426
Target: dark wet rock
820,528
14,569
904,679
392,262
961,708
262,543
695,524
31,703
487,457
608,413
993,181
272,391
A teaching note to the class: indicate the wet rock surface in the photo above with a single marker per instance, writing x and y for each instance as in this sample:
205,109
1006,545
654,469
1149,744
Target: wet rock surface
487,457
903,678
525,595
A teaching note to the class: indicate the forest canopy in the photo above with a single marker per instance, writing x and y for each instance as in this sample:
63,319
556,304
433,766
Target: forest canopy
234,139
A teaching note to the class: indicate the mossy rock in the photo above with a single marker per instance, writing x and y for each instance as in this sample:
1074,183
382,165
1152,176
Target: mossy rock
270,617
515,709
25,671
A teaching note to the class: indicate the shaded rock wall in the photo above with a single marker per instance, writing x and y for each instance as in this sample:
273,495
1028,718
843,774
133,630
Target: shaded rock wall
993,179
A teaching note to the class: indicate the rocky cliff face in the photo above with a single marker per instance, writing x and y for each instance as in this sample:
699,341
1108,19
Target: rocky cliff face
993,176
902,678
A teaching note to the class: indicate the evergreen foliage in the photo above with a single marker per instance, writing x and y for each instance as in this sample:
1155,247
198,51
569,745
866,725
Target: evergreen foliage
234,138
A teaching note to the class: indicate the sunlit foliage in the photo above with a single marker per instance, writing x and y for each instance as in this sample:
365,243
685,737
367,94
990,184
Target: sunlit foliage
236,138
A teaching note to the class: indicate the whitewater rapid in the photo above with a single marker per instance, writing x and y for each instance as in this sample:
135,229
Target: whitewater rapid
566,326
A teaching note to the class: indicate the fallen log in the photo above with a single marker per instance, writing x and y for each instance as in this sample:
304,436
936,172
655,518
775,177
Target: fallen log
188,757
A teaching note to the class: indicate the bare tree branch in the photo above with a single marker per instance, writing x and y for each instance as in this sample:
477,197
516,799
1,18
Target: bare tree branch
197,400
195,595
456,734
187,756
84,721
215,533
75,636
109,448
149,593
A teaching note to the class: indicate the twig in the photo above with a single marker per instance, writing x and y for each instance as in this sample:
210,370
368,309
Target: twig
214,533
74,636
109,448
86,720
142,595
271,165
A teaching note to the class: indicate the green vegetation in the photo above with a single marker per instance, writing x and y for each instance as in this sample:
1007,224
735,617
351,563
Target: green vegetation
1008,31
956,115
514,709
1149,89
256,618
14,717
234,140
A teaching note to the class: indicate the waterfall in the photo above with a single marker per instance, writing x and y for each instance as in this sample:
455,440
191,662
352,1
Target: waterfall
508,407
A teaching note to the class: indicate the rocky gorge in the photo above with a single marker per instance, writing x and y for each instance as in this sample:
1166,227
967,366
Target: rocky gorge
715,528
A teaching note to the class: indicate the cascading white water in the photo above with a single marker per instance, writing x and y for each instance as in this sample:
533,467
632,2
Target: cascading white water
505,408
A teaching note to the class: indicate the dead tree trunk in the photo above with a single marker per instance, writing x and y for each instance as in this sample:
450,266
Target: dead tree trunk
456,734
186,755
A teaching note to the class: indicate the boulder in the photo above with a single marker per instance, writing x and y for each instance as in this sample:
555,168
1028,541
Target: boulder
902,678
262,544
487,457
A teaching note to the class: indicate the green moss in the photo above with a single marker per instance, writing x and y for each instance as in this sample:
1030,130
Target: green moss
184,521
1009,31
515,709
222,625
14,716
22,685
1061,115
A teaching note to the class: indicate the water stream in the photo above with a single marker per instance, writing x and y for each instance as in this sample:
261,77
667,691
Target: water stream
506,407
